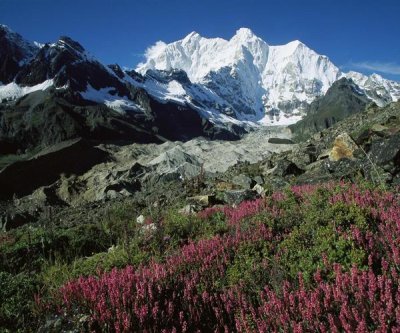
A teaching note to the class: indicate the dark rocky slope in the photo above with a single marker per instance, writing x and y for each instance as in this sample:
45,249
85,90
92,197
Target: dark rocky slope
341,100
14,53
47,117
71,157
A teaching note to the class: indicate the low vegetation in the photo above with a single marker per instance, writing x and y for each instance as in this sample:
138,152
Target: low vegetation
311,258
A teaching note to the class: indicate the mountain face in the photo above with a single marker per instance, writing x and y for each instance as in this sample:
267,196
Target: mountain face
58,92
14,53
256,79
193,87
68,64
343,99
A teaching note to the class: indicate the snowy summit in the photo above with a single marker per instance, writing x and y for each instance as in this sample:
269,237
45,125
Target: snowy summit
258,77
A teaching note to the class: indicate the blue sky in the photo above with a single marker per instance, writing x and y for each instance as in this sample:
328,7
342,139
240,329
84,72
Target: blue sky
362,35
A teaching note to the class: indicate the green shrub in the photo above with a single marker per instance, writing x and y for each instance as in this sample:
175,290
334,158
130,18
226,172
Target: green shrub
180,227
317,235
17,301
215,225
248,268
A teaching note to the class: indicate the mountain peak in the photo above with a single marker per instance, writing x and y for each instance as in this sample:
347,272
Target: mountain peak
5,28
244,33
296,43
15,51
192,35
291,47
65,41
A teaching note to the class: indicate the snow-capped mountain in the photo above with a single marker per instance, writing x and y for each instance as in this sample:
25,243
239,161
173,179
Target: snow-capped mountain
66,65
255,79
208,82
378,89
60,92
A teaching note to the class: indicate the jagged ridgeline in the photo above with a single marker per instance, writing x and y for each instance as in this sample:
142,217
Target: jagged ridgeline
194,87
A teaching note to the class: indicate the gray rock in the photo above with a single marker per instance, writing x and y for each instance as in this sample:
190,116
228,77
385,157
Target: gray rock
140,219
259,180
384,151
280,141
188,210
276,183
202,200
176,164
259,190
243,181
285,167
149,227
235,197
379,130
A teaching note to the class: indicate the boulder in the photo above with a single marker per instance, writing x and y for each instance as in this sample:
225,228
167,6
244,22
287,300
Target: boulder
151,227
280,141
343,147
188,210
235,197
324,154
223,186
259,180
384,151
284,168
304,156
379,129
140,219
243,181
276,183
259,190
202,200
344,168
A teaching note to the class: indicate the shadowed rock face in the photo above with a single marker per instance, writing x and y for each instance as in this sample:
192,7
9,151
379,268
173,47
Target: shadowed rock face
387,150
74,157
59,113
67,63
340,101
183,123
14,50
45,118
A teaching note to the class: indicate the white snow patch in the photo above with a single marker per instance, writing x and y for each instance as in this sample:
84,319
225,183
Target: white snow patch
113,101
173,91
281,120
13,91
176,89
39,45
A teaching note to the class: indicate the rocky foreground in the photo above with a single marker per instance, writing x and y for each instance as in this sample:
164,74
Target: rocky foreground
81,209
82,176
